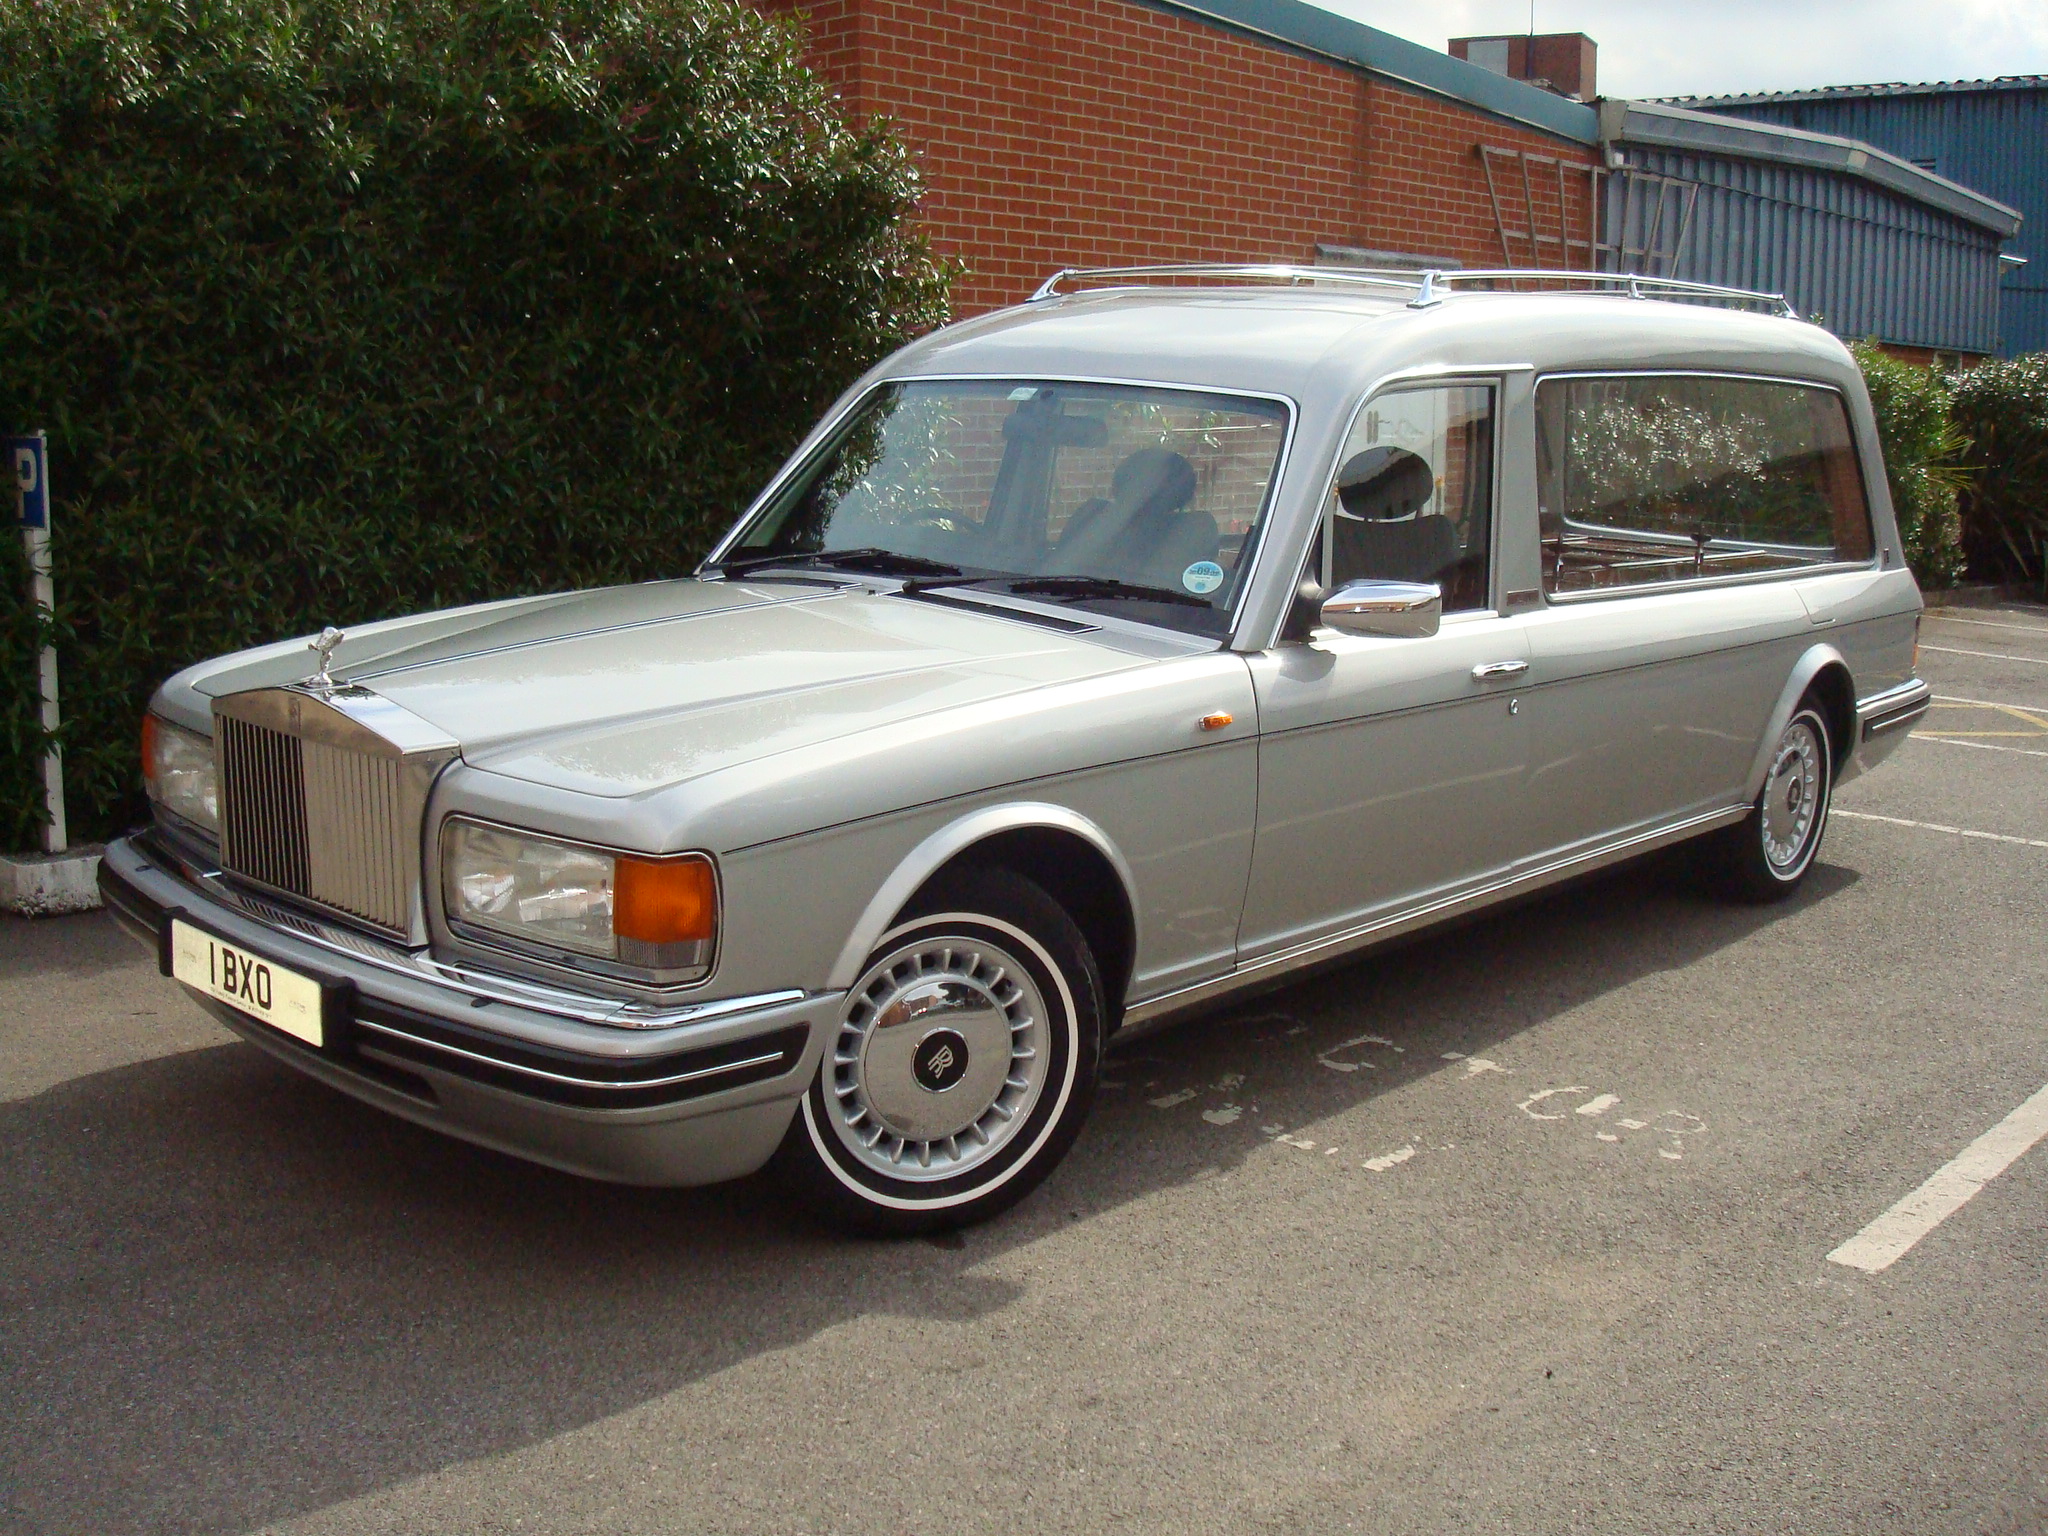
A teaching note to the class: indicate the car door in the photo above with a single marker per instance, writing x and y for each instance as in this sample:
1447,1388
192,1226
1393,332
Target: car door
1674,508
1389,769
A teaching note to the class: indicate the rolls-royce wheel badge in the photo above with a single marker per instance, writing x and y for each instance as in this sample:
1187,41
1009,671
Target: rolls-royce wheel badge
940,1060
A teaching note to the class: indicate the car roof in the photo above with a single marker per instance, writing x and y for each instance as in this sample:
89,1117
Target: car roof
1303,342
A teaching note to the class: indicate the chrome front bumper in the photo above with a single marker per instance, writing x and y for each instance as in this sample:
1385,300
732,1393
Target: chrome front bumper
692,1095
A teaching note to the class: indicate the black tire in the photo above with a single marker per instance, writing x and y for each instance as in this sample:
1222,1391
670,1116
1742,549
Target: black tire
1765,856
993,987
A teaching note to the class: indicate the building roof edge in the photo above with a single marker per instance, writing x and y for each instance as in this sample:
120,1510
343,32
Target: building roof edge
1858,92
1315,30
1662,126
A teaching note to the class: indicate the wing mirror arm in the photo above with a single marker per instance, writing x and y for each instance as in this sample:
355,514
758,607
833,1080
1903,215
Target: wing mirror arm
1304,613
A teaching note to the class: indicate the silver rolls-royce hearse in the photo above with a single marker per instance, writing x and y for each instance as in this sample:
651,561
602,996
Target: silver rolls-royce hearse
1091,661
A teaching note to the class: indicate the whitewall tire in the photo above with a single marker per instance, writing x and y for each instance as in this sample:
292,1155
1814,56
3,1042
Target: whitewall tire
962,1066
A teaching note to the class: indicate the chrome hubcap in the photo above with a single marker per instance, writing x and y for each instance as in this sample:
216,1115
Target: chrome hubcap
939,1059
1792,796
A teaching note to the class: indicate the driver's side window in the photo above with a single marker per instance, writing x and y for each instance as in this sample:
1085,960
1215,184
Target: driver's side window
1414,494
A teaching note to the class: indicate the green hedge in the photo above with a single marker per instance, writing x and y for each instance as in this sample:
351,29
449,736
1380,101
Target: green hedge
345,309
2003,408
1923,461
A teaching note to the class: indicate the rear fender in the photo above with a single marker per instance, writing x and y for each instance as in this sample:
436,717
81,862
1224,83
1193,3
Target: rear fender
1816,660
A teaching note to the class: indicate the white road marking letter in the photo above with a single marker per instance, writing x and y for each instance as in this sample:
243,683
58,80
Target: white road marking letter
1527,1106
1599,1104
1387,1160
1171,1099
1224,1116
1328,1058
1952,1187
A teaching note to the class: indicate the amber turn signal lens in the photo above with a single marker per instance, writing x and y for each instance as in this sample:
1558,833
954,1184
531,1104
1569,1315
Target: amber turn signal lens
664,901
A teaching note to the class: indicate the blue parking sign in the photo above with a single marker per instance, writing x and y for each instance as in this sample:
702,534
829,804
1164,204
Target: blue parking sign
30,459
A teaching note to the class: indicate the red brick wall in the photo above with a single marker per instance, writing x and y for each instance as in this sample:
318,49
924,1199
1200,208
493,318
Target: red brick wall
1103,132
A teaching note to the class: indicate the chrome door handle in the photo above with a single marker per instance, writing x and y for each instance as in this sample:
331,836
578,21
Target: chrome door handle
1487,671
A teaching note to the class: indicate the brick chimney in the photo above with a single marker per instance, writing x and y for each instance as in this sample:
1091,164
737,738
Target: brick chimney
1557,61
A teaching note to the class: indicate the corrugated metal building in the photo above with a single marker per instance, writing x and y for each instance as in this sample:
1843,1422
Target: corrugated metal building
1864,241
1991,135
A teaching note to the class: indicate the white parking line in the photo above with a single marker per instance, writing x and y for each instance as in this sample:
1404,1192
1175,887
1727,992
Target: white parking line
1953,1186
1986,746
1950,650
1938,617
1950,698
1935,826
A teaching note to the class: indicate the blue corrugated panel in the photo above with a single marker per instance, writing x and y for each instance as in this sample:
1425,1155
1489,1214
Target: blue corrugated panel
1856,258
1990,135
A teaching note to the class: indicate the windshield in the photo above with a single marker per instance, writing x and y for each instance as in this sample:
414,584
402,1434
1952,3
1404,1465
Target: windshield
1119,498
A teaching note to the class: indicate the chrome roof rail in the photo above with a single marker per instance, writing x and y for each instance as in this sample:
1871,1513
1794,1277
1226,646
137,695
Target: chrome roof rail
1634,284
1272,272
1429,288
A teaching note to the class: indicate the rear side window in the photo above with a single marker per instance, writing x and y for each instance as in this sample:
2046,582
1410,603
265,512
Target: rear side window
1648,479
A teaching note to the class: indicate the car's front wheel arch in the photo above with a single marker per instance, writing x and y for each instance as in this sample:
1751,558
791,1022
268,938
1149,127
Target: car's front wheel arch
1077,875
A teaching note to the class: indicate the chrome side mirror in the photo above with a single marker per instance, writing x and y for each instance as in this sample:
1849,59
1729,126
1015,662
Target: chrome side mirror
1397,610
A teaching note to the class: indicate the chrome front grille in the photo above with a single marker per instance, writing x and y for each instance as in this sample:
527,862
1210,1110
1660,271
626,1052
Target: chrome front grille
263,805
359,854
320,802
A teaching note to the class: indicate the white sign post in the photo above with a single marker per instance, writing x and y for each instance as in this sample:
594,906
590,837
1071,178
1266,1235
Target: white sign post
30,457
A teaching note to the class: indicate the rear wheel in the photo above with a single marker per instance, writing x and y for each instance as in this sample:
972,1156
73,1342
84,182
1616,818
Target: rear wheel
1764,856
962,1066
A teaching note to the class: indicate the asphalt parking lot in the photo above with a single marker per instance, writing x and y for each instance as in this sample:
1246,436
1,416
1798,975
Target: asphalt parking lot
1524,1227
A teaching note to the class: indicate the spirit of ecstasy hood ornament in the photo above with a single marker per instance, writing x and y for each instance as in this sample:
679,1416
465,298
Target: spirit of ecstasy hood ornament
324,680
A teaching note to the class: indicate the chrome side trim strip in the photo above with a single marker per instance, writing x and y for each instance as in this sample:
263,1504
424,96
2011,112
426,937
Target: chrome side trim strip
575,1082
1910,715
1271,967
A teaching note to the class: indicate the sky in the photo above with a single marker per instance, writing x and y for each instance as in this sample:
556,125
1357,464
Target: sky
1711,47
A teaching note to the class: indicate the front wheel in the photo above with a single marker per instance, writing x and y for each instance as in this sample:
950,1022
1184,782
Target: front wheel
962,1066
1764,856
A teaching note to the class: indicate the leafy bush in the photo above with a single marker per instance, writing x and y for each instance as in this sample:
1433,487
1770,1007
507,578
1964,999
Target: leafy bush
337,309
1923,461
2003,406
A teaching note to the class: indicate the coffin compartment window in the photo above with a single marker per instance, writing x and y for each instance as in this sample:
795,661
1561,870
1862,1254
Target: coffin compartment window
1651,479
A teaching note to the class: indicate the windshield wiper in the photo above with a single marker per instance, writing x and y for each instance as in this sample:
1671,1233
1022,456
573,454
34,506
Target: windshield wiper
879,562
1075,589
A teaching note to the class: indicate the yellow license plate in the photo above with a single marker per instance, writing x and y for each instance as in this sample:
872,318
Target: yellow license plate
260,988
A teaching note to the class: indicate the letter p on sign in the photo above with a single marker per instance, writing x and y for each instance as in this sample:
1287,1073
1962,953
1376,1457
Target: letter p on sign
31,482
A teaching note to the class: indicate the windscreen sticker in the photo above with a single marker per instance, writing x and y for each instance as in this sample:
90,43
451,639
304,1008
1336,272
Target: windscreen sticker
1202,576
1024,392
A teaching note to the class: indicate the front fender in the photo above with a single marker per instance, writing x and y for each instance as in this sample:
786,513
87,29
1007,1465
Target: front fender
929,856
1811,664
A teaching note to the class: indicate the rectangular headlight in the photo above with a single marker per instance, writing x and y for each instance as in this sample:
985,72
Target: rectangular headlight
177,770
654,915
